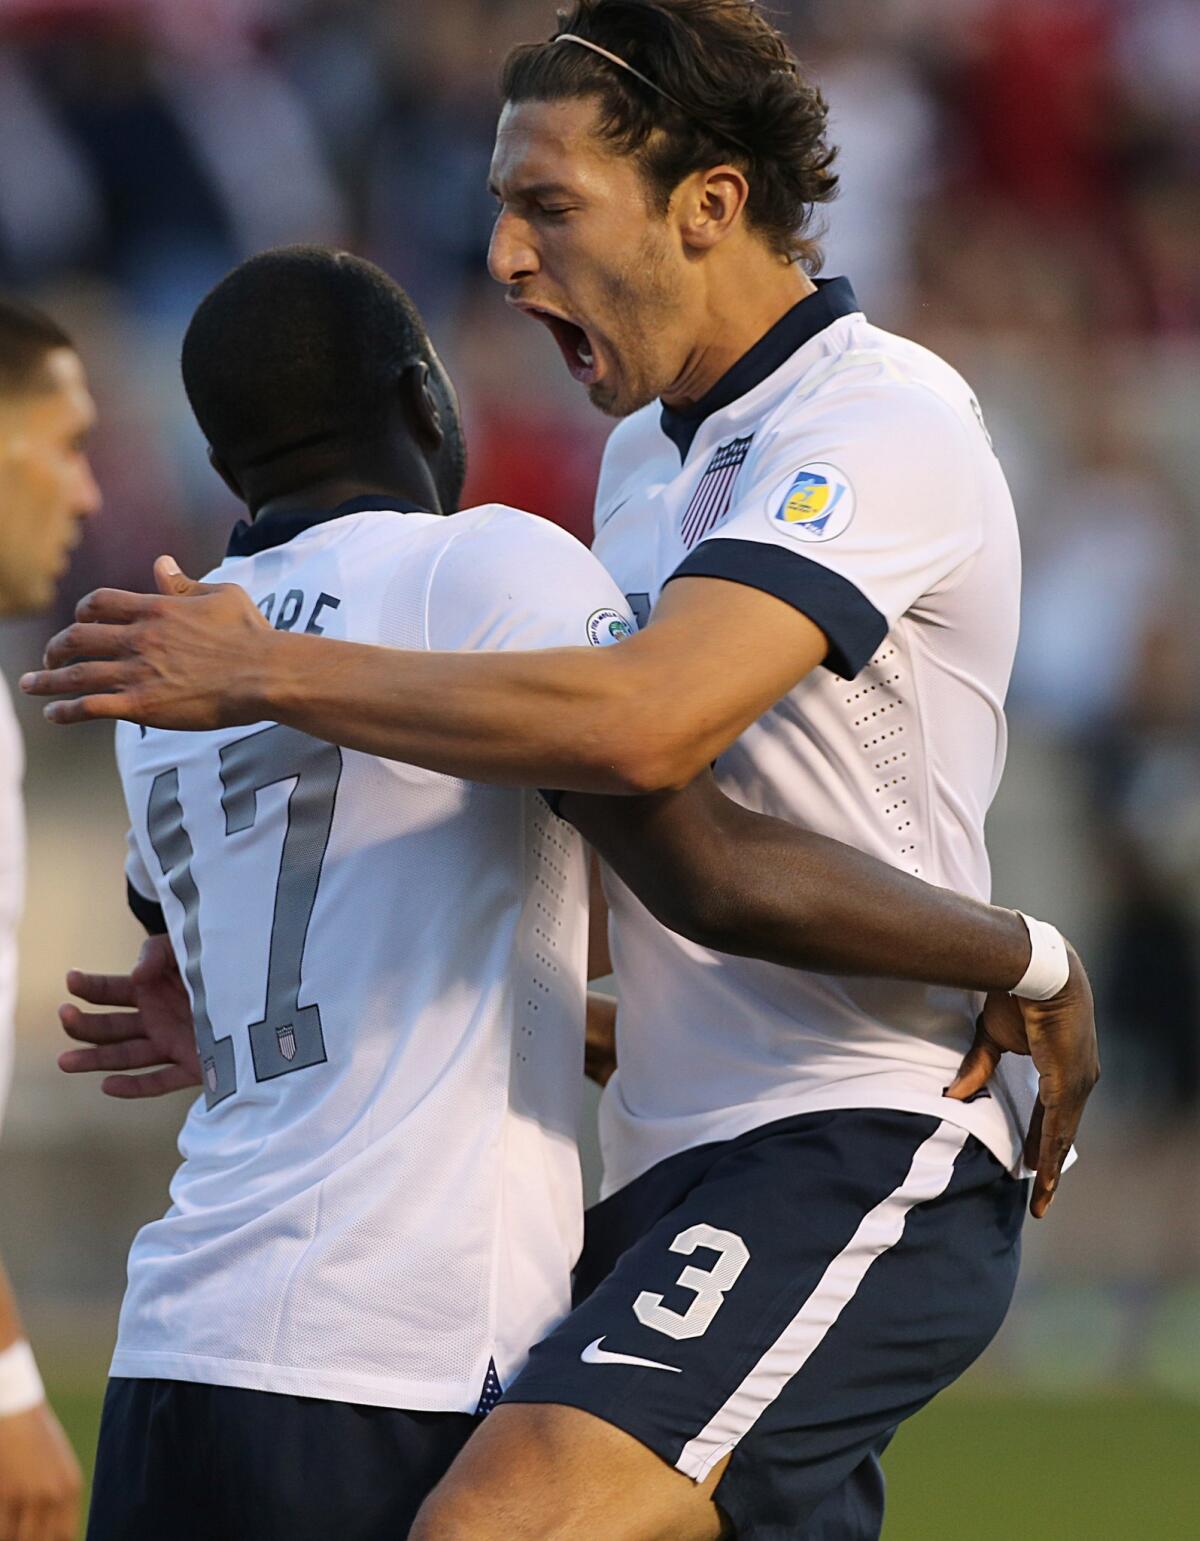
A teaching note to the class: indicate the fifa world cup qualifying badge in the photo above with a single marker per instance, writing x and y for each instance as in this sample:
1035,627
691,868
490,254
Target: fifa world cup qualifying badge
607,626
816,504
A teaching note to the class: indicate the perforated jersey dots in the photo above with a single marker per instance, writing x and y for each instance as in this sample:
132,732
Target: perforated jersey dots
875,704
549,854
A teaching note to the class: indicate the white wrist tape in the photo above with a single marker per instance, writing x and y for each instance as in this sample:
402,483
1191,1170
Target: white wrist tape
20,1384
1049,966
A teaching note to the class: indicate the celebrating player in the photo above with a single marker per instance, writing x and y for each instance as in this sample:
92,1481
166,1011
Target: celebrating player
819,508
395,1130
46,492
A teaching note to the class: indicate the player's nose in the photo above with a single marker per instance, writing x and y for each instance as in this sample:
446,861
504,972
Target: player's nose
512,256
88,498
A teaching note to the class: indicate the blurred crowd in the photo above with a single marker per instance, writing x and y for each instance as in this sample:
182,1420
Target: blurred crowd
1020,191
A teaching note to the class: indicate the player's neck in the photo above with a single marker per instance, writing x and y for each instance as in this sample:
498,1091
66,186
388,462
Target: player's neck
740,310
331,492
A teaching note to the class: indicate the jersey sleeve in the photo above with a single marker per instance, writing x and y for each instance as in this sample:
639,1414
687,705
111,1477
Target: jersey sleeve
135,869
140,892
516,582
880,510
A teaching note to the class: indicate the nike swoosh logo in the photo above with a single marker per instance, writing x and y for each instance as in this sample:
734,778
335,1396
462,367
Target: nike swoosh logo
594,1354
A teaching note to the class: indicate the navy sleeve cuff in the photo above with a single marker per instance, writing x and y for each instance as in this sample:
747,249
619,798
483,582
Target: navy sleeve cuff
146,910
852,625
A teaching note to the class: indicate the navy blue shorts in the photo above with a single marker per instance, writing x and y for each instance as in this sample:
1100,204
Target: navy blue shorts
184,1462
788,1298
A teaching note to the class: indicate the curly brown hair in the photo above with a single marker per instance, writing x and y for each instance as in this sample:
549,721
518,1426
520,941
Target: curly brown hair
739,98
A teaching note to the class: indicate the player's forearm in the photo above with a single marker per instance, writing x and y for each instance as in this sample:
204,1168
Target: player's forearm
742,883
830,909
589,720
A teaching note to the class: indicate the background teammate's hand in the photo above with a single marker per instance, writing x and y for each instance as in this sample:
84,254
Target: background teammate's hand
40,1481
1060,1035
158,1031
185,657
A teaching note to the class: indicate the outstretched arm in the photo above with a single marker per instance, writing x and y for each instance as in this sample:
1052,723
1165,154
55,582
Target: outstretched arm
751,610
647,715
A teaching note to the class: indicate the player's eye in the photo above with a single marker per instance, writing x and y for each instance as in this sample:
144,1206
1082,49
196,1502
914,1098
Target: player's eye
549,212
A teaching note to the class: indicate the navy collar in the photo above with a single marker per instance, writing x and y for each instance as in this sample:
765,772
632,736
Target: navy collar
250,537
833,300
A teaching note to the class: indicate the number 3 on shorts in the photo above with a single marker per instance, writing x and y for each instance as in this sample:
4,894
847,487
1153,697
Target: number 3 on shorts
710,1284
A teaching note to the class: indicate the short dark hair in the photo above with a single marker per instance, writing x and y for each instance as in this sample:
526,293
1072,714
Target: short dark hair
26,337
296,350
743,100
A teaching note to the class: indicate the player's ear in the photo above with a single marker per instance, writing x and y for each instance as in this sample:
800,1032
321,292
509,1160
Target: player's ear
225,474
421,405
710,204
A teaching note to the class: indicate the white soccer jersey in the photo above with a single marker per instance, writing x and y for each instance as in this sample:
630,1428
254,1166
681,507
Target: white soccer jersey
380,1191
848,473
12,879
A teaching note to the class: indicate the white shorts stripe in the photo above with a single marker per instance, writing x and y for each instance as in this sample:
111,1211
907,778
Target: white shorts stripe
881,1228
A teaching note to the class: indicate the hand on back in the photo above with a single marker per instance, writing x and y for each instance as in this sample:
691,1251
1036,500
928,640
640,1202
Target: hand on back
183,658
1059,1035
152,1028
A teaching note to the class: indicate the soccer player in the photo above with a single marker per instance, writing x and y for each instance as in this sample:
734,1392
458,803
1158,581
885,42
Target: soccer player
812,511
384,965
46,492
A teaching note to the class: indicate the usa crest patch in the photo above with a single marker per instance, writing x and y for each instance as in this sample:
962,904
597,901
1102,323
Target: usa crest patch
714,493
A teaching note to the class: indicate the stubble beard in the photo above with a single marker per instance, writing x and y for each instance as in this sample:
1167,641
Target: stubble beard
641,299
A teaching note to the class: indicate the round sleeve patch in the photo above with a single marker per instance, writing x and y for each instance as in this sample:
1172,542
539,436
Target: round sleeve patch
815,504
607,626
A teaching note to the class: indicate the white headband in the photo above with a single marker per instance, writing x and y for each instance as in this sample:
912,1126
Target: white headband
572,37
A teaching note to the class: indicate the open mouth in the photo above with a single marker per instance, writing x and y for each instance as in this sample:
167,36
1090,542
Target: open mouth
573,341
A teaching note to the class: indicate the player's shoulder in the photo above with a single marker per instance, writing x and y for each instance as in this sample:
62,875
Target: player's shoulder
500,526
879,389
503,518
509,578
496,546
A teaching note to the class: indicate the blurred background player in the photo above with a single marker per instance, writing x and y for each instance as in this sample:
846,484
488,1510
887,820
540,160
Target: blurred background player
47,491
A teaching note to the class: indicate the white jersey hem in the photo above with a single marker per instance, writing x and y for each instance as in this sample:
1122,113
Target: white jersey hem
357,1390
985,1118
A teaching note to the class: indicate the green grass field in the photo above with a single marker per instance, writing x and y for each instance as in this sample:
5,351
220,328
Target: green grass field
1016,1468
988,1468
